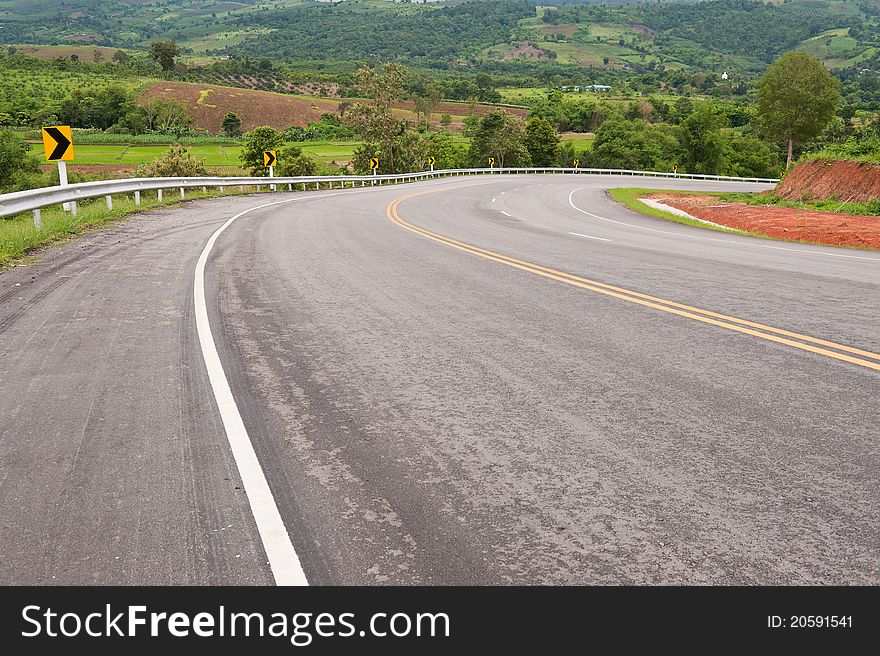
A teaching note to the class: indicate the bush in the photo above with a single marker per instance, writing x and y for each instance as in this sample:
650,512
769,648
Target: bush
177,162
17,165
292,163
256,142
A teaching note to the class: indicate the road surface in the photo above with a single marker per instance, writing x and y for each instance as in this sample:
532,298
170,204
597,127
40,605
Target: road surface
493,380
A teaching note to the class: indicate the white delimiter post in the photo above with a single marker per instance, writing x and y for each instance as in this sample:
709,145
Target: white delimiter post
272,175
62,180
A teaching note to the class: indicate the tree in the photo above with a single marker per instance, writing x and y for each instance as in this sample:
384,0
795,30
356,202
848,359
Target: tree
177,162
622,144
292,162
796,99
15,160
499,135
231,124
541,141
121,57
165,53
374,119
256,142
702,142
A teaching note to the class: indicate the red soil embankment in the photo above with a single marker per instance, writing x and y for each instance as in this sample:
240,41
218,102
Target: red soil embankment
846,180
781,222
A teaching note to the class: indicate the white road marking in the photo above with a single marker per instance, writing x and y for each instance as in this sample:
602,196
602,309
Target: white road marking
577,234
283,559
505,213
494,199
724,241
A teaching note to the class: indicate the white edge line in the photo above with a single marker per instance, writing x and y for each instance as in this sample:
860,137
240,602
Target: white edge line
577,234
724,241
283,559
506,214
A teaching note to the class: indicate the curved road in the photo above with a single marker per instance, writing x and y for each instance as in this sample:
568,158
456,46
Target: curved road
504,379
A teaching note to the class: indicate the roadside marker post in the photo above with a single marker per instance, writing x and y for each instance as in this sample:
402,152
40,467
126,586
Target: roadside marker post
374,164
270,158
577,163
58,146
432,160
491,164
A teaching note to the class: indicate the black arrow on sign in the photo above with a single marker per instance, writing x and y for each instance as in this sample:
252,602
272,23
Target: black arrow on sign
271,157
63,143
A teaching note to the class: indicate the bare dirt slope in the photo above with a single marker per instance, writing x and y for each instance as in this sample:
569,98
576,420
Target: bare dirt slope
846,180
208,103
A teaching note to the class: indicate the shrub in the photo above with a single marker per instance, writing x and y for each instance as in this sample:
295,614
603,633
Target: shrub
177,162
292,163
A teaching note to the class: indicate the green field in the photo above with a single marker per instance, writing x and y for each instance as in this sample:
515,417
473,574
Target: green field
213,155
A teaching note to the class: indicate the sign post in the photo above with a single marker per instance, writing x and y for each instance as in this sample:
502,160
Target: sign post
58,146
374,165
577,163
491,164
432,160
270,158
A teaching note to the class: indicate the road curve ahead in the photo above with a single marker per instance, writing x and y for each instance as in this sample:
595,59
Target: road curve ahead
493,380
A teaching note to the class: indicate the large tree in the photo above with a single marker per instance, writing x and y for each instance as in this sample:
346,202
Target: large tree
796,99
374,119
165,53
499,135
541,141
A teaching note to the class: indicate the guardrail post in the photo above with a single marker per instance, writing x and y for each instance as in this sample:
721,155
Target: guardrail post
137,198
182,195
73,207
289,186
159,195
220,188
38,221
204,190
109,199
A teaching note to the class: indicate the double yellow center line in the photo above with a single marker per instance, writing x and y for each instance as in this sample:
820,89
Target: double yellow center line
804,342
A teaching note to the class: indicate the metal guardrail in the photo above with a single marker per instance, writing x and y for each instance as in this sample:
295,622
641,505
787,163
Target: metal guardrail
33,200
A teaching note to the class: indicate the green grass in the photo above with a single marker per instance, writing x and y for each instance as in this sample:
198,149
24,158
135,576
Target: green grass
135,155
580,140
217,154
871,208
629,198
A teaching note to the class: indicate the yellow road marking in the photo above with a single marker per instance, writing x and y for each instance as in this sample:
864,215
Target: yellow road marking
777,335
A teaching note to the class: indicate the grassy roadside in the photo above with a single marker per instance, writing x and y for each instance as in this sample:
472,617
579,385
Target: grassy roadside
871,208
19,238
629,198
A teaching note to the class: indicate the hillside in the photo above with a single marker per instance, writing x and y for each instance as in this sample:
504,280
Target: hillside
208,103
498,35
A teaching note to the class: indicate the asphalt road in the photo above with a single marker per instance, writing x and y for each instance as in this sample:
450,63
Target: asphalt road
565,393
